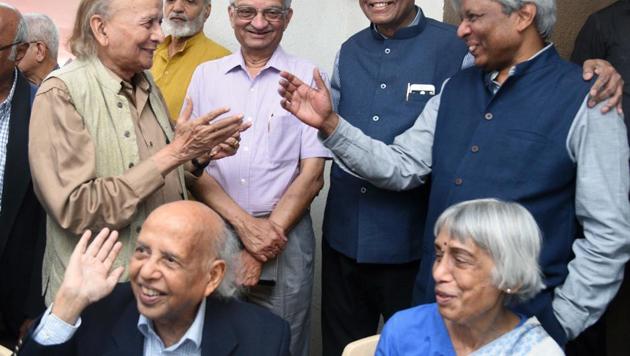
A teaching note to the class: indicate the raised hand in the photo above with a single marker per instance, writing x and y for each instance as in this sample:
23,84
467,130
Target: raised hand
88,277
312,106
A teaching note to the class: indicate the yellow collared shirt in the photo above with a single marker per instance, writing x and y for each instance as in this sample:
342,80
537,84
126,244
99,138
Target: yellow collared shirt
173,75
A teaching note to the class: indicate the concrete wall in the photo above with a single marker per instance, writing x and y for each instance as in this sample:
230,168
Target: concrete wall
571,17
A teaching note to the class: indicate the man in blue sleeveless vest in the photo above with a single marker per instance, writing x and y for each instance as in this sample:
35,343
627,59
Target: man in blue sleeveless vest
370,247
517,126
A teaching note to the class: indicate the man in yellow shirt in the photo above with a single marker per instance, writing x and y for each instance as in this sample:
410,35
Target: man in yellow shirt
185,47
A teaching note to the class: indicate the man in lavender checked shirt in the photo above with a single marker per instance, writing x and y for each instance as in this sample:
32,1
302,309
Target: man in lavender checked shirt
265,190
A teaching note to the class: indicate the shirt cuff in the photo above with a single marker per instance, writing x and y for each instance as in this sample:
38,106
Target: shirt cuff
145,178
54,331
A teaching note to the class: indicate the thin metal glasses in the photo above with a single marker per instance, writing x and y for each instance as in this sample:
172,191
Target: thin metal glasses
270,14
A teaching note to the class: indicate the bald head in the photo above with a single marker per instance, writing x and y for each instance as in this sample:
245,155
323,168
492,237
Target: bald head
193,222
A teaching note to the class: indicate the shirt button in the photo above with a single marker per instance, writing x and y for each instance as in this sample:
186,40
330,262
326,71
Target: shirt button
375,118
383,86
150,143
489,116
119,104
243,181
459,181
388,51
127,134
363,190
474,148
246,149
165,72
252,89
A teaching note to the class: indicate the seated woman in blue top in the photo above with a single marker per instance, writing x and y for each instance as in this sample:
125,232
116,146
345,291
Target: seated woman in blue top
486,254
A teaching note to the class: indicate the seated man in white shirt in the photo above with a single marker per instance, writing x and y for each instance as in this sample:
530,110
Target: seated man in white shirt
178,299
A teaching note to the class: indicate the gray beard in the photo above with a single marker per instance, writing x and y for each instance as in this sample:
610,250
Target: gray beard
189,28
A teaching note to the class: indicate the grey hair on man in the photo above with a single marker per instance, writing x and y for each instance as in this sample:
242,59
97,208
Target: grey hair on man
42,28
82,41
228,249
508,233
285,3
545,12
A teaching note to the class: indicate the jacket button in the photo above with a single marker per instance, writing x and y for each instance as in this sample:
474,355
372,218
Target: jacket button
363,190
388,51
119,104
127,134
138,229
489,116
131,165
459,181
375,118
474,148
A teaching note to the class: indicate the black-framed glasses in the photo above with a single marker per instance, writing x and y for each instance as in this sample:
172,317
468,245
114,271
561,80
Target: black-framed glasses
270,14
10,45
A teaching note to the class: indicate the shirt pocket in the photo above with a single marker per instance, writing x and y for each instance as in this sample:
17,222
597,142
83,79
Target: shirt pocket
284,132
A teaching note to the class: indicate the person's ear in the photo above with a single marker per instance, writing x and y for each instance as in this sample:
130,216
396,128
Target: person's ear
98,26
215,276
289,16
525,16
41,51
206,12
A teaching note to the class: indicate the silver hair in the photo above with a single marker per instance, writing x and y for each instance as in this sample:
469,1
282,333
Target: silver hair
42,28
285,3
228,249
510,235
21,33
82,42
545,12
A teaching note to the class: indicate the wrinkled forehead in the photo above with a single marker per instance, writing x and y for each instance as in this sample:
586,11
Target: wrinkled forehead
136,8
261,4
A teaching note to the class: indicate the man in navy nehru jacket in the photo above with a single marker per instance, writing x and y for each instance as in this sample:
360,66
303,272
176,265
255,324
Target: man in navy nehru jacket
371,244
383,77
517,127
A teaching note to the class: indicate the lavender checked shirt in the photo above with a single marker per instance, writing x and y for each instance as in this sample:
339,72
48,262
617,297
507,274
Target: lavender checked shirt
268,160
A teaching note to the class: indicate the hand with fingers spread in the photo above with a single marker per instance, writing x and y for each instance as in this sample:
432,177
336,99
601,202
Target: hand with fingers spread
608,86
88,277
262,238
199,137
313,106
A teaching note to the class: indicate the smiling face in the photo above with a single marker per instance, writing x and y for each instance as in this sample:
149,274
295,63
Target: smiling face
172,269
184,18
490,34
464,290
389,15
259,35
129,36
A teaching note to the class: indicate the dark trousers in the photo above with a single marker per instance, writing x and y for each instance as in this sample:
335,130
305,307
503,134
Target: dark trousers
355,295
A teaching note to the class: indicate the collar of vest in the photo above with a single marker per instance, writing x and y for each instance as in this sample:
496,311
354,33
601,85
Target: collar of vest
405,32
540,61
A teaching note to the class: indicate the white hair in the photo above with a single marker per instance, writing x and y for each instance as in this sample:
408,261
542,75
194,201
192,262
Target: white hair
285,3
545,12
227,249
510,235
42,28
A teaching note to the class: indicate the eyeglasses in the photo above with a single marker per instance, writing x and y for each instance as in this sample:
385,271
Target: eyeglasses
271,14
10,45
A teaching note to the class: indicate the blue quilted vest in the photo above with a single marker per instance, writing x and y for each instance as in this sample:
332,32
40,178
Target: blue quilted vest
511,146
361,221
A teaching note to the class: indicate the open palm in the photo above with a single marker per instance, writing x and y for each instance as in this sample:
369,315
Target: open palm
311,105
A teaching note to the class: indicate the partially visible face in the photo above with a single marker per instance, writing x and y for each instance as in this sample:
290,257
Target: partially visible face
31,59
464,290
258,34
8,26
184,18
169,271
133,33
489,33
389,14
